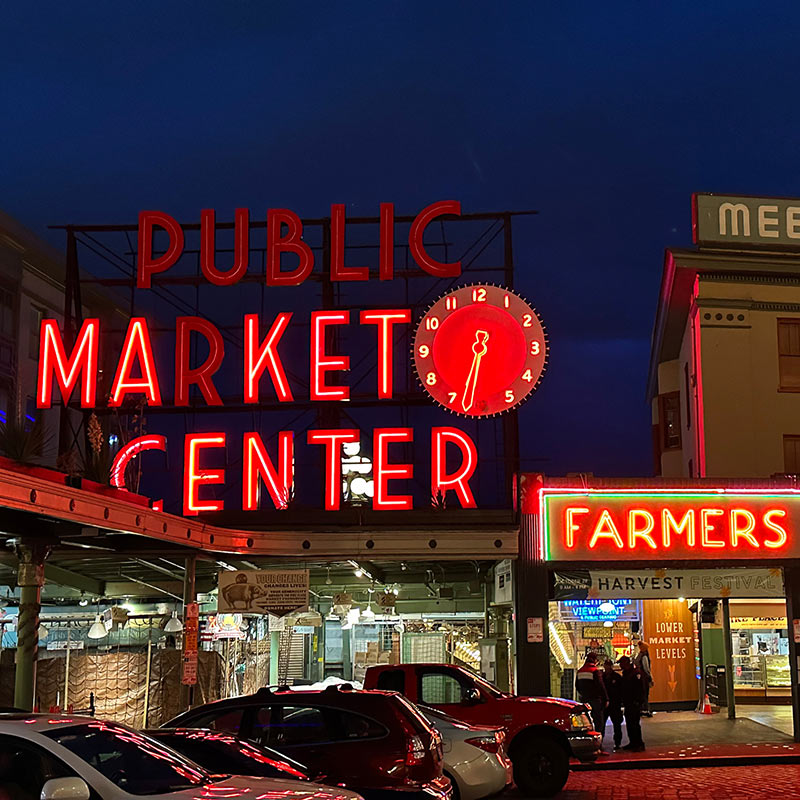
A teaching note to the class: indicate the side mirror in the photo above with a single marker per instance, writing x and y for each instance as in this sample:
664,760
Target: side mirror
471,697
65,789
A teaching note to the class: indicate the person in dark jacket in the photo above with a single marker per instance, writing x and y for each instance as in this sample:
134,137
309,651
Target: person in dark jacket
613,683
633,694
592,690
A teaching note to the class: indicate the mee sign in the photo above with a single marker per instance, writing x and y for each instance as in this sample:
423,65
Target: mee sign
677,525
68,369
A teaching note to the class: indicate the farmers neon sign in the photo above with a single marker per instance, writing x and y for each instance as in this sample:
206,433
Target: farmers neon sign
616,525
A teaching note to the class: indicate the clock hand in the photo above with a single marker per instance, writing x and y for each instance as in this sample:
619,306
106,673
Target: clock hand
479,349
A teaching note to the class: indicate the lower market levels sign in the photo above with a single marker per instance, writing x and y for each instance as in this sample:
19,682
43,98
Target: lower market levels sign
630,525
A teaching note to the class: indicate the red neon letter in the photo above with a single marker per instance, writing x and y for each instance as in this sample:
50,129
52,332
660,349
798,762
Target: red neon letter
333,441
635,532
706,527
773,526
257,357
569,524
415,236
686,525
185,376
441,481
129,451
258,465
386,254
146,265
384,473
82,362
291,243
193,475
744,530
385,320
137,345
241,248
606,529
339,272
321,362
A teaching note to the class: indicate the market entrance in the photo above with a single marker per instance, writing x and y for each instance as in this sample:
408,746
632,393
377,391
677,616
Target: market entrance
713,640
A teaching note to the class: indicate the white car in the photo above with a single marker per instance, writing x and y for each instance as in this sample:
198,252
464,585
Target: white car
474,756
49,757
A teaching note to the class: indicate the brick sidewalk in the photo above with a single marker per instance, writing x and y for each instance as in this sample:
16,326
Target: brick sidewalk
698,783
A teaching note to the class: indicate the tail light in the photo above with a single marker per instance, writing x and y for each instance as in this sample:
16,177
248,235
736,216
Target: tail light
415,751
491,743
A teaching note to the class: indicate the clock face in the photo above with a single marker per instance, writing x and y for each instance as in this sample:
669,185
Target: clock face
480,350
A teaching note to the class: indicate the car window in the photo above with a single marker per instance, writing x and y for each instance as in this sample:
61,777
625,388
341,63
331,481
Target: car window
392,680
354,726
437,688
259,729
228,720
134,763
25,768
297,725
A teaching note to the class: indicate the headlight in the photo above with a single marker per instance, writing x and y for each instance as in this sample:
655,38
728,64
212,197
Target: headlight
580,721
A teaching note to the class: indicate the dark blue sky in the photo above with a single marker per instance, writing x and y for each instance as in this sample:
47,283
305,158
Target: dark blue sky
605,117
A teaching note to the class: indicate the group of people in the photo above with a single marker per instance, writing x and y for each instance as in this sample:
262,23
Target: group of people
612,694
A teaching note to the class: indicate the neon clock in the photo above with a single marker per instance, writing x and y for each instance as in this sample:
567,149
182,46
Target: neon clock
480,350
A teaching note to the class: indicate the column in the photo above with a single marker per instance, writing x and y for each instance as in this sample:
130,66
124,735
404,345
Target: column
791,580
30,578
189,596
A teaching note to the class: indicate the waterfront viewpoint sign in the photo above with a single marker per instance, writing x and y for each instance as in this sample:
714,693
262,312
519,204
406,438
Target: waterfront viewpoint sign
742,222
478,351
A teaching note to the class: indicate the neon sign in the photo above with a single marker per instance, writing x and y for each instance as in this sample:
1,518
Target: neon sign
597,610
678,524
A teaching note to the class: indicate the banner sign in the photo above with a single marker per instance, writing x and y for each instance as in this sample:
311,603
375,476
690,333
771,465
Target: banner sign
191,628
759,623
740,221
277,592
667,583
629,525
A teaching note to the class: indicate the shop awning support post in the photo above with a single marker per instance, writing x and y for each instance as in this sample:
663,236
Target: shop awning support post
274,650
726,635
189,596
66,673
791,580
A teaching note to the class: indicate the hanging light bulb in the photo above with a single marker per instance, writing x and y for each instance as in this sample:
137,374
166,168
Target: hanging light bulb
43,632
174,625
359,573
98,630
369,614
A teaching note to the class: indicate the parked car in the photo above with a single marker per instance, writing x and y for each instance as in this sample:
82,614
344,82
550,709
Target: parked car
217,752
542,732
474,756
376,743
52,757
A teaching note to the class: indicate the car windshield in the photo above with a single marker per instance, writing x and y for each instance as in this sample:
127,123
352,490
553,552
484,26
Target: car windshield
133,762
221,752
489,688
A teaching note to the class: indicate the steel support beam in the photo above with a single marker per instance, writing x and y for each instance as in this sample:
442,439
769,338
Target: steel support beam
64,577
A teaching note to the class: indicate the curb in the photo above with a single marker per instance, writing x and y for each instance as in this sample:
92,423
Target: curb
689,761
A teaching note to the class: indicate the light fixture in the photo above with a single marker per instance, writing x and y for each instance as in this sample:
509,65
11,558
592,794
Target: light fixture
328,580
681,599
359,573
396,591
83,602
607,608
174,625
608,624
98,630
368,615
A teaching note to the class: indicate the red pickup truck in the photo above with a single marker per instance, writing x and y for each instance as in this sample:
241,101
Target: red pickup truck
542,732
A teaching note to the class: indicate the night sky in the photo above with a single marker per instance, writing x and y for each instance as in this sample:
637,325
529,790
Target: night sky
604,117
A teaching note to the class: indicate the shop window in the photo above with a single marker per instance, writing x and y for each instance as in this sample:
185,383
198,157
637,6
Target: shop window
31,414
437,688
789,355
7,313
229,720
791,455
670,417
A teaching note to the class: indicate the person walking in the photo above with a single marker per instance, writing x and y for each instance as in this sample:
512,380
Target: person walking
592,690
632,691
613,683
642,663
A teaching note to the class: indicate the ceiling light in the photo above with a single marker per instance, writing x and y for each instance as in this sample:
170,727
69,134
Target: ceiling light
83,602
174,625
359,573
368,615
396,591
98,630
608,624
328,580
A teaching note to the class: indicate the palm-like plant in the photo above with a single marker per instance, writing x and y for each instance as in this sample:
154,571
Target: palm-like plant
22,443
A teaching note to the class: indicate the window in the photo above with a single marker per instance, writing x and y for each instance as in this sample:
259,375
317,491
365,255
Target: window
392,680
354,726
295,725
670,416
229,720
25,768
7,325
791,455
789,355
438,688
36,315
687,387
31,414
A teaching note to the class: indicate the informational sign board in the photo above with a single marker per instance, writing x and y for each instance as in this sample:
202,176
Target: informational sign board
740,221
628,525
191,627
535,629
63,644
503,589
759,623
277,592
667,583
599,610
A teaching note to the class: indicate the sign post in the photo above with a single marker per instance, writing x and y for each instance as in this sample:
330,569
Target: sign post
191,625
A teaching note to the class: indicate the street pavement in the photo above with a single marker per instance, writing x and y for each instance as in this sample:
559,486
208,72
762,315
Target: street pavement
696,783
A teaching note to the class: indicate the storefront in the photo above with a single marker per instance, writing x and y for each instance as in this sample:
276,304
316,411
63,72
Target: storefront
703,573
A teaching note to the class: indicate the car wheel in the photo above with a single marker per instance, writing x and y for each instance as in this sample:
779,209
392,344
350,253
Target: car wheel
541,767
456,793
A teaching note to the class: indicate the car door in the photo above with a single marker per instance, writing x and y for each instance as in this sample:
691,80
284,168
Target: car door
446,690
25,767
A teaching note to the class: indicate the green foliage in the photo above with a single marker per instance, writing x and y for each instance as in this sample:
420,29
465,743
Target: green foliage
22,444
